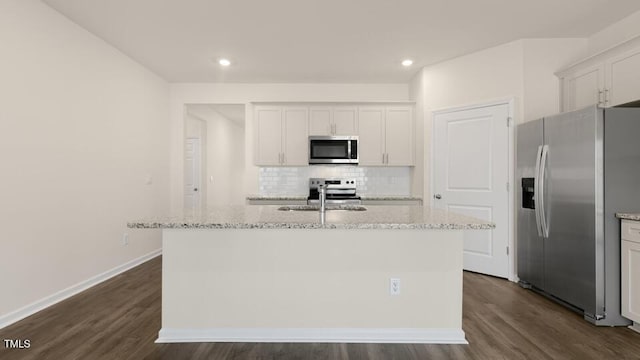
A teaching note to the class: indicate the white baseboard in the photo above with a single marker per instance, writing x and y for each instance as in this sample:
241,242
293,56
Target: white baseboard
43,303
316,335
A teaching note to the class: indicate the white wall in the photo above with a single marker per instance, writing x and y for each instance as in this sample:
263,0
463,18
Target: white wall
541,59
617,33
82,127
185,94
522,70
487,75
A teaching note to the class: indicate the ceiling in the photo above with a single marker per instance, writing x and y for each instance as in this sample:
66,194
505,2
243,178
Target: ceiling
324,41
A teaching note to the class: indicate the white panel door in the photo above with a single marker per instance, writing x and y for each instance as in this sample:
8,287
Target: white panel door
371,135
623,78
296,137
345,120
399,136
192,175
320,122
470,176
269,136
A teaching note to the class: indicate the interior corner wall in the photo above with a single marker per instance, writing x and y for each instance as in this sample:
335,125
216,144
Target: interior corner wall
183,94
542,59
84,135
615,34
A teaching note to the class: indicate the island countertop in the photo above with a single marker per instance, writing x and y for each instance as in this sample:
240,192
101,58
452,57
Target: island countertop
362,197
269,217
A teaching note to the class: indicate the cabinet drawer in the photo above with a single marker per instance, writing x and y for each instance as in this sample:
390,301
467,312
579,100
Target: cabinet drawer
631,230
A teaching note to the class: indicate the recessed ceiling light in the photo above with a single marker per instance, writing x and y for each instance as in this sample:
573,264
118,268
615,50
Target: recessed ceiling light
407,62
224,62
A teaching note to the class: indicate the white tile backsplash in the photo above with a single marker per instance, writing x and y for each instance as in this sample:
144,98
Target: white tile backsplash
370,180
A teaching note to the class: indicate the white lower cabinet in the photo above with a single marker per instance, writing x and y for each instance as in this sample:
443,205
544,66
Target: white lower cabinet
631,271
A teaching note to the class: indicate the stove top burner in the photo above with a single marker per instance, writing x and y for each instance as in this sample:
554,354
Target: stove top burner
339,191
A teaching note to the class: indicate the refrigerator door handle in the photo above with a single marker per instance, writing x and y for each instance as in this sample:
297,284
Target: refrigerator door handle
543,170
536,191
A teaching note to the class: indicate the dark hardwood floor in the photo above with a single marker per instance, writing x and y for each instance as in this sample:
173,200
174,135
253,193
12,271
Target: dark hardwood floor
120,319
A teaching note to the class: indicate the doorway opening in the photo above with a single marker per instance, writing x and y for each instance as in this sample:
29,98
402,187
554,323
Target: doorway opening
214,156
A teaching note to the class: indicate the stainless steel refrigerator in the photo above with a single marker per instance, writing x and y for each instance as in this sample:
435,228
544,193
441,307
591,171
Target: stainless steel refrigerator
575,171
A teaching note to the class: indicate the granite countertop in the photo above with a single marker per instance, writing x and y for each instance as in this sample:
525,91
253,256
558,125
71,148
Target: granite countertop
391,197
277,197
363,197
269,217
628,216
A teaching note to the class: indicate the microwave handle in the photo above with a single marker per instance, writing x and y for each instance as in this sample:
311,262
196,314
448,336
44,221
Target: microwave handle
349,149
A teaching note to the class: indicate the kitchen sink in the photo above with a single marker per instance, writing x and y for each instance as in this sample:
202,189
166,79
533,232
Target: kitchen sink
317,208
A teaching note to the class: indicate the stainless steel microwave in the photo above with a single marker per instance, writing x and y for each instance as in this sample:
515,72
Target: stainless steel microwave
333,150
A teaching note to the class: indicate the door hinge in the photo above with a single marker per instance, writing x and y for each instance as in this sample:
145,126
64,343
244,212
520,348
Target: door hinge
507,250
507,186
509,121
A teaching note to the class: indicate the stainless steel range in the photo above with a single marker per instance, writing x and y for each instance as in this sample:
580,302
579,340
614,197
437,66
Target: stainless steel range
339,191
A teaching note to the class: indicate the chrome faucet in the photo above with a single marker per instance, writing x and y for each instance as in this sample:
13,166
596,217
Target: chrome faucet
322,190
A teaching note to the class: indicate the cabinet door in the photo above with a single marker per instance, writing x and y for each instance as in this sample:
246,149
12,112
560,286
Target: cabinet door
371,132
345,120
623,80
269,135
296,136
320,121
631,280
585,87
399,136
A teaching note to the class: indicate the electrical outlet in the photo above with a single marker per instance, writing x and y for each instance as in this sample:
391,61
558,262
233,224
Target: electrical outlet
394,286
125,239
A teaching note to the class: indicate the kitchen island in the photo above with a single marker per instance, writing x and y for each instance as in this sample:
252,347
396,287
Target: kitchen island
256,273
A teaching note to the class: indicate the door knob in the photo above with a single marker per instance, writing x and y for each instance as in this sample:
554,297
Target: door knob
195,189
437,196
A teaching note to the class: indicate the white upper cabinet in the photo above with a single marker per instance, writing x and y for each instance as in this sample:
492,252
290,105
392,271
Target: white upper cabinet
345,120
386,132
334,120
608,79
386,136
623,82
371,136
320,120
295,151
399,136
282,136
584,87
269,135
